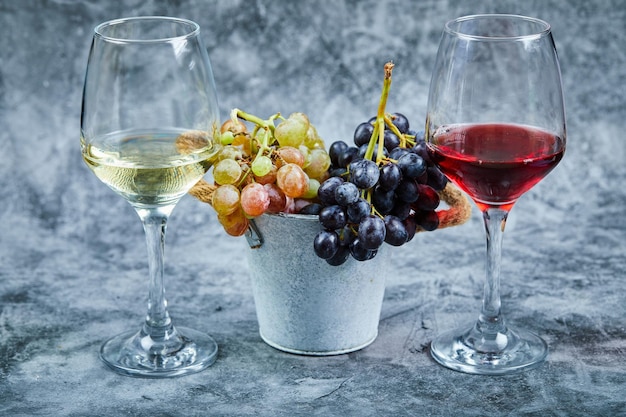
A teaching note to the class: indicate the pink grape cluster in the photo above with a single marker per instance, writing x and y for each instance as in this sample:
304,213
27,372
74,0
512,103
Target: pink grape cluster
273,168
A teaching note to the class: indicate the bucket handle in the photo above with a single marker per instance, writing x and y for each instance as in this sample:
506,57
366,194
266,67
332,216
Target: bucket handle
253,235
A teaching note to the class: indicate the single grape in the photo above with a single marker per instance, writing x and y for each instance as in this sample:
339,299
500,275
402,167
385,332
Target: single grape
337,172
396,153
278,199
363,133
408,190
412,165
391,140
395,232
289,155
313,209
401,122
326,192
312,139
235,223
423,179
427,220
314,186
335,151
299,203
234,126
290,205
383,200
346,193
421,149
390,176
428,198
410,226
360,252
372,232
226,171
348,156
333,217
261,166
436,179
225,199
419,136
326,244
243,141
230,152
346,235
317,163
292,180
305,153
269,178
300,117
227,138
340,257
254,199
358,210
292,131
364,173
401,209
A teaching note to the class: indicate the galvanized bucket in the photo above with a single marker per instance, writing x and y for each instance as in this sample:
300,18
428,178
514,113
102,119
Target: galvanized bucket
304,305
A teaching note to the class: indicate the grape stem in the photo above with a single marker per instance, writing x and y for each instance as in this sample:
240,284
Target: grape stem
394,129
378,135
264,144
267,125
407,139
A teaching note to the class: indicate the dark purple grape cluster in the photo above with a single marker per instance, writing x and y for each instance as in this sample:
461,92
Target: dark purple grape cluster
383,199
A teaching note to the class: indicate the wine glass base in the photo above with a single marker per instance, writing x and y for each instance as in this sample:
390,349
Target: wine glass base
521,350
129,354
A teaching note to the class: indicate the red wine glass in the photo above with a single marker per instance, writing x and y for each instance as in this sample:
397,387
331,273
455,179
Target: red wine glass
495,127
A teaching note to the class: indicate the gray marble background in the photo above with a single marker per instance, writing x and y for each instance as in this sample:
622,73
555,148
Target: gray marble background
72,255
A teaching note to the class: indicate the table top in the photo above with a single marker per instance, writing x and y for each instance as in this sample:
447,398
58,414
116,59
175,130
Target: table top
73,261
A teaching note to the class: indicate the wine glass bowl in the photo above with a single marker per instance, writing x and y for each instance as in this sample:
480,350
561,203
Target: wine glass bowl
148,130
495,127
495,163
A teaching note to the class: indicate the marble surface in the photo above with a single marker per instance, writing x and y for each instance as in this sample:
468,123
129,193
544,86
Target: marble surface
72,254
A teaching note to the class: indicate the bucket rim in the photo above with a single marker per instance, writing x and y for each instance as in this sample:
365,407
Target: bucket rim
254,236
294,216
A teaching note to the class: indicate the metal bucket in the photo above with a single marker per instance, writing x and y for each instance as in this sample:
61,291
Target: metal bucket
304,305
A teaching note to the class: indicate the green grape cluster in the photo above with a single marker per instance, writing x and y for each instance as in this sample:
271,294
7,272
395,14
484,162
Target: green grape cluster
276,166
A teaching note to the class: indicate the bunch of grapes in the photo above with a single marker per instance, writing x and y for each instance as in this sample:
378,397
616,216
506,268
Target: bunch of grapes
382,189
271,169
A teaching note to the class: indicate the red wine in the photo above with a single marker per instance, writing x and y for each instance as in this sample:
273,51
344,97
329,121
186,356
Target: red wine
495,163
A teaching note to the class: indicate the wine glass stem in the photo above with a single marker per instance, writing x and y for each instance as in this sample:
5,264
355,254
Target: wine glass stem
491,320
158,323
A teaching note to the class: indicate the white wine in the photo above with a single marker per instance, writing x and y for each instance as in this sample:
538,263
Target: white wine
150,168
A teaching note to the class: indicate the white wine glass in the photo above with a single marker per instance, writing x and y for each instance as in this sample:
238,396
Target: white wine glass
148,124
495,127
